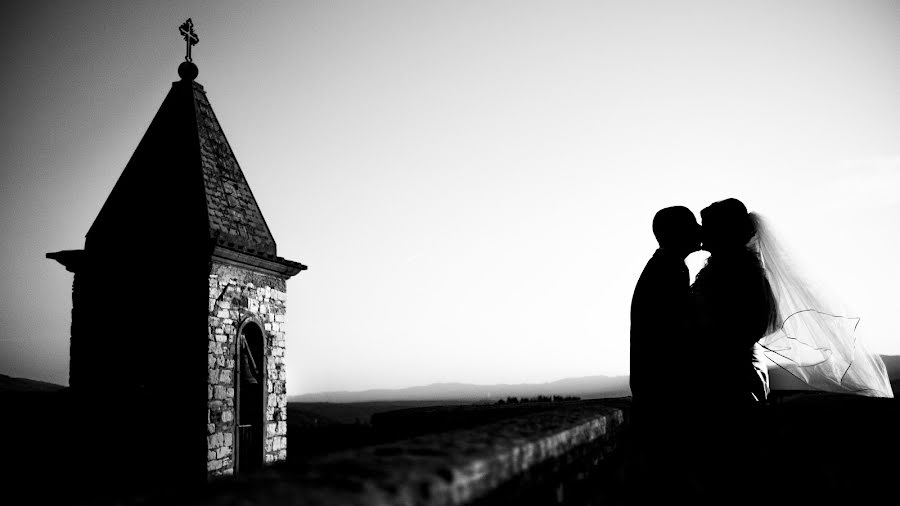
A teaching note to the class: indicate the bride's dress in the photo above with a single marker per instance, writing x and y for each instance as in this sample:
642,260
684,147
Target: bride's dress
812,342
734,309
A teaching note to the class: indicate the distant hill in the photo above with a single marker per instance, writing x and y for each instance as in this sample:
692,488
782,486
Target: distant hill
9,384
590,387
892,363
780,379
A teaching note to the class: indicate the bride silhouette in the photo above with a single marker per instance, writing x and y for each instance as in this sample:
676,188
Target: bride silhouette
735,305
749,301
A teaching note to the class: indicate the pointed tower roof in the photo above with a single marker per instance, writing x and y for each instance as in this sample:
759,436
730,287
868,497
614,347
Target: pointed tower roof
234,214
183,180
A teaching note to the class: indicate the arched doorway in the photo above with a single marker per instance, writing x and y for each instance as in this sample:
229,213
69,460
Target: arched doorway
249,406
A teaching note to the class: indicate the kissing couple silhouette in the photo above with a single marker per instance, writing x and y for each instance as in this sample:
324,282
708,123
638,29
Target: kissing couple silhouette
699,374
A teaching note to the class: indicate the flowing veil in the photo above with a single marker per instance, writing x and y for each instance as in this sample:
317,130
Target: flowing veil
817,346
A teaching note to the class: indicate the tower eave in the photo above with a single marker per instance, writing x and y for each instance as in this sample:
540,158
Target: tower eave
266,264
71,259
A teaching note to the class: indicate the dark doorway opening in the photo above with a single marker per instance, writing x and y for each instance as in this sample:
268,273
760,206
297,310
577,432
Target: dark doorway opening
249,399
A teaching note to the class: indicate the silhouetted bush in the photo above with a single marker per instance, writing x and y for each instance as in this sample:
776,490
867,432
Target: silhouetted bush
539,398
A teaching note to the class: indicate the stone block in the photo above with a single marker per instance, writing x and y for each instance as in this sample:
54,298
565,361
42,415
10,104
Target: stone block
229,392
210,427
213,377
224,304
225,376
270,429
210,456
227,415
281,428
270,458
213,465
219,392
221,338
215,440
279,318
229,439
223,452
209,392
222,313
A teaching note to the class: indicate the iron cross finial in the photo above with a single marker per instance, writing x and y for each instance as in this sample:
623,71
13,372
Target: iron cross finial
190,37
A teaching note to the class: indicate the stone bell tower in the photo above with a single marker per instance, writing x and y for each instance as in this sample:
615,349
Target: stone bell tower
180,270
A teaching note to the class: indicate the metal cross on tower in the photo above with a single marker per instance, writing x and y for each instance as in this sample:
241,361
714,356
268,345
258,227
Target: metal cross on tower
190,37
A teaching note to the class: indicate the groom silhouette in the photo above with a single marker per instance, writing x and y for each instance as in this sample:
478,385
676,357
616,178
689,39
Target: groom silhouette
659,307
660,327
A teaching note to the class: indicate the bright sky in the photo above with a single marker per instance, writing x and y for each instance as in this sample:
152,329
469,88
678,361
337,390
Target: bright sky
470,183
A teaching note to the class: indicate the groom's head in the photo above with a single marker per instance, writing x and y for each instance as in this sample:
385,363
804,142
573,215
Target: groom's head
676,229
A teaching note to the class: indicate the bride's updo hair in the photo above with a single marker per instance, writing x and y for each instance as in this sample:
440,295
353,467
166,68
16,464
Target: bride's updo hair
727,224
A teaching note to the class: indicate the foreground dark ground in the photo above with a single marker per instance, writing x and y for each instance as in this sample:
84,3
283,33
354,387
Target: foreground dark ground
816,448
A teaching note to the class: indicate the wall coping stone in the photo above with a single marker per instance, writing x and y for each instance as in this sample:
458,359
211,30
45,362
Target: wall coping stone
446,468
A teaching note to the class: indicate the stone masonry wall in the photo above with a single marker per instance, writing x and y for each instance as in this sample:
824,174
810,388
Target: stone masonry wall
236,294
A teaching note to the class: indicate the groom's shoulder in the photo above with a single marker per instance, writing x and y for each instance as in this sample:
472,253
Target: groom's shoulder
659,268
654,264
664,262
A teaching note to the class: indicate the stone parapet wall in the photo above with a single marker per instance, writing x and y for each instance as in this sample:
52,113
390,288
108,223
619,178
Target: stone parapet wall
449,468
237,294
